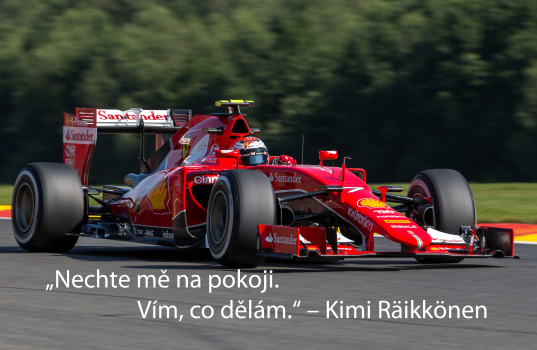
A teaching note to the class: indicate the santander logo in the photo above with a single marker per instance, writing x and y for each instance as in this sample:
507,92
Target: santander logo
284,240
147,115
81,135
281,239
284,178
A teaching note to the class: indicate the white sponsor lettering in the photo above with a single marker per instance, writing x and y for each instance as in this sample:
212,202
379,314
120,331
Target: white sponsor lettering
205,179
284,240
80,135
362,220
384,211
167,234
148,233
284,178
403,226
115,115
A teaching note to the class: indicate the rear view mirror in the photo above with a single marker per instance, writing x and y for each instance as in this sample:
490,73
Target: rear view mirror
327,155
227,154
234,154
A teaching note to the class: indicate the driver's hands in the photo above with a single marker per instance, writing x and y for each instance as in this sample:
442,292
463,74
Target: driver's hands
283,160
287,160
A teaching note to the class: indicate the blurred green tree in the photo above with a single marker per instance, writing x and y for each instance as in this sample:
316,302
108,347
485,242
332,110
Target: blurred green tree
399,86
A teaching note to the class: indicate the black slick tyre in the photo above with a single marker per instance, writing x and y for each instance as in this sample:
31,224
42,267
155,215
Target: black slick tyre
48,202
452,200
239,201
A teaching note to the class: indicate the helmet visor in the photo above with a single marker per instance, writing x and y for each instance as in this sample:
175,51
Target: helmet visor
254,156
254,160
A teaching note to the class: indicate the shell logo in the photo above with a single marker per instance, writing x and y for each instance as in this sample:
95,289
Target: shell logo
371,203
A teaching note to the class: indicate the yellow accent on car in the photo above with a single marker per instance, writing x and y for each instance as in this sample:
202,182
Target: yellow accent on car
371,203
241,103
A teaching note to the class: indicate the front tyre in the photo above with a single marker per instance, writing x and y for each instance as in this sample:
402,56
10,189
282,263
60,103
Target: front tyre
47,203
452,200
239,201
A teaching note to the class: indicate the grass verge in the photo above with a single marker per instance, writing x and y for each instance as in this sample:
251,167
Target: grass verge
501,202
7,190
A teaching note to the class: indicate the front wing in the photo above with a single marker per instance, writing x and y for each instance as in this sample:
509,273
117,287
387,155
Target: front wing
317,243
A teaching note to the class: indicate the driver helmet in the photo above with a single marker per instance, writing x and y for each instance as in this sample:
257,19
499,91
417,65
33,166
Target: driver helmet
253,150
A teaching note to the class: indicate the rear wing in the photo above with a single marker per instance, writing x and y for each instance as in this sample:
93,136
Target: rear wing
114,121
80,130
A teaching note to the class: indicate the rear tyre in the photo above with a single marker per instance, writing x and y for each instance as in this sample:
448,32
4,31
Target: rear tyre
239,201
452,200
47,203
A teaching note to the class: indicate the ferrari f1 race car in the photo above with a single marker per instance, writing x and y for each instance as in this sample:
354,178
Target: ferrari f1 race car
197,191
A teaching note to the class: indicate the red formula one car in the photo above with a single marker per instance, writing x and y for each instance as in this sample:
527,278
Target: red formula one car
199,190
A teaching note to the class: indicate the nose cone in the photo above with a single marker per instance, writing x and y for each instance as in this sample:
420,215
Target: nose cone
375,216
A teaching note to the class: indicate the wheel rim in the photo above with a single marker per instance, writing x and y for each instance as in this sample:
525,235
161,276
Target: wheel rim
25,208
424,192
219,217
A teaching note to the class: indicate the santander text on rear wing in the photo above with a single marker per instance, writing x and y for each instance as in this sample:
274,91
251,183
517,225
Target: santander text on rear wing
131,121
80,130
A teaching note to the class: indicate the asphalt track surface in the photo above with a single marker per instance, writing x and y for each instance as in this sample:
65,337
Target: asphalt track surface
33,318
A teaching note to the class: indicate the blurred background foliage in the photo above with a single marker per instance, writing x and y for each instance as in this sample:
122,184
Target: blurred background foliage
398,85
